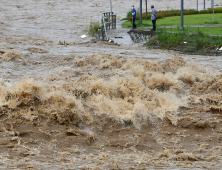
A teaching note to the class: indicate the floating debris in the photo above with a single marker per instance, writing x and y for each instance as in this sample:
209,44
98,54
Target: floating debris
83,36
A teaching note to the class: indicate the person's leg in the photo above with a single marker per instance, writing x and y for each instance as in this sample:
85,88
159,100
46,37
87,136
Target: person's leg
154,25
134,25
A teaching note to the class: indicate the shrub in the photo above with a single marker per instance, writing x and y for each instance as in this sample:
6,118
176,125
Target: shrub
129,14
93,28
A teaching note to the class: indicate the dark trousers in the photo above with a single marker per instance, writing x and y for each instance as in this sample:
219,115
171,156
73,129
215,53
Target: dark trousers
154,25
134,25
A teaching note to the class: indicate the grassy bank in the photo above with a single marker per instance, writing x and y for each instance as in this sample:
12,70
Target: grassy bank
204,30
186,42
198,19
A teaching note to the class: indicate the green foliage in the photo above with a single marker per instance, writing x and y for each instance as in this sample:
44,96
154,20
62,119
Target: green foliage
176,38
129,14
154,40
93,28
217,43
210,11
201,40
164,37
194,41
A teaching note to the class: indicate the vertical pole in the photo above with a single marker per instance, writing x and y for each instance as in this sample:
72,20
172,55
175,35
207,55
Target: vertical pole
141,12
211,3
213,11
146,9
111,5
204,4
181,27
197,5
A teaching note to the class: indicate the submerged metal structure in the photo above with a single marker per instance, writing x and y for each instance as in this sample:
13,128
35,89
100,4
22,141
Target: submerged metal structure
108,22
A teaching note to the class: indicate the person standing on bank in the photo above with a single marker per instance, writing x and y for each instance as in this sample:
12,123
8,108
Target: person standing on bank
153,17
134,17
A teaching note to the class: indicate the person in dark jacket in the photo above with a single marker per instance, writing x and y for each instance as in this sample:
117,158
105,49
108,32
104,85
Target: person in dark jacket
133,17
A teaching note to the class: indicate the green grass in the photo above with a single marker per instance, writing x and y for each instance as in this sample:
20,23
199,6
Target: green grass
197,43
123,19
205,30
198,19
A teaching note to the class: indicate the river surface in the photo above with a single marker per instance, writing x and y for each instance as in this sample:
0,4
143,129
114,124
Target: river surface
67,103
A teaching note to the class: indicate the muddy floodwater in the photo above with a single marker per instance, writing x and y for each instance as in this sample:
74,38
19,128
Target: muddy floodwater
83,105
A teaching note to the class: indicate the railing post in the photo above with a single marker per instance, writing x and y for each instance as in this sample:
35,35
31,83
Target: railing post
204,4
146,9
111,5
181,27
197,5
141,12
213,11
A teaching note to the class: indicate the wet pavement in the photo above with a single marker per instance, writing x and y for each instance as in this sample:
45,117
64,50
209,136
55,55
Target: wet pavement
120,35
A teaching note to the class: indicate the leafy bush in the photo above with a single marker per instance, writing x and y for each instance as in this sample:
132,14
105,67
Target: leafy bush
93,28
129,14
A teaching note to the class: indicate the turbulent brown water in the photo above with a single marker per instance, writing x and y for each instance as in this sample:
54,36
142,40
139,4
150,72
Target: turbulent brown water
113,112
101,105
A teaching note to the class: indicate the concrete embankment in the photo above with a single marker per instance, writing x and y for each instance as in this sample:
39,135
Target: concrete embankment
141,36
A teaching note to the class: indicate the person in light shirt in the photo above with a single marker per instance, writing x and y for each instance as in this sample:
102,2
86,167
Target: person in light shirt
153,17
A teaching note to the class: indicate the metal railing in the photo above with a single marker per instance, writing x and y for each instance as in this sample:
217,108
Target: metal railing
104,32
108,22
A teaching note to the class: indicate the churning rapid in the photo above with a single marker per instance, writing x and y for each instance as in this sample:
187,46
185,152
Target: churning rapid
82,105
112,112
